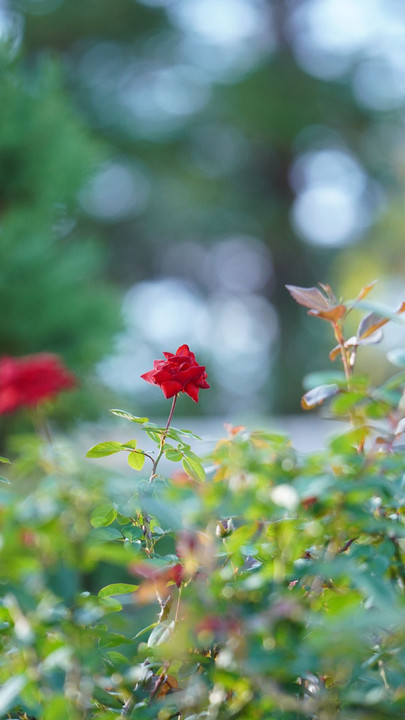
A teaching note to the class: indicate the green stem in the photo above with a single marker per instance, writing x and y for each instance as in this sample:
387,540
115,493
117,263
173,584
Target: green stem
162,440
165,604
348,374
346,366
145,515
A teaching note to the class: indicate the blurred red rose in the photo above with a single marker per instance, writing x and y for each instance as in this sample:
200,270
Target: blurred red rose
178,373
165,574
27,381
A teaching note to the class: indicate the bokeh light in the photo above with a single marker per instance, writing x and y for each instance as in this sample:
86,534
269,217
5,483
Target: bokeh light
331,207
11,29
118,189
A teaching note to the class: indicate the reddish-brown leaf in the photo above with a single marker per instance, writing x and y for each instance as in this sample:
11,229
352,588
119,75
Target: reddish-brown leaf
309,297
369,324
372,322
333,314
365,291
334,353
318,395
168,685
328,291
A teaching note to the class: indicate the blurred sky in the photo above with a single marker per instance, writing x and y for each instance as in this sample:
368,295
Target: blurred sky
178,90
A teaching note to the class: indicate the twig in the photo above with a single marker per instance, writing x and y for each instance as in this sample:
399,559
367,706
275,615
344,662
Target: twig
162,440
347,545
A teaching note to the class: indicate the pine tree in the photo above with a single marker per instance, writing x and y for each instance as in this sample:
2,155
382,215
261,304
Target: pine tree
52,292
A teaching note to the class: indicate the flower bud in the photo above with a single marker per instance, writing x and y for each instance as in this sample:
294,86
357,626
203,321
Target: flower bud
224,528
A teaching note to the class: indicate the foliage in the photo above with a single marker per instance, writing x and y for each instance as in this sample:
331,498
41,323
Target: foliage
51,272
235,163
259,583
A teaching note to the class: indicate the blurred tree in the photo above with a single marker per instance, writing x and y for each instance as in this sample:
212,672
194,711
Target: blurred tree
169,106
53,291
51,288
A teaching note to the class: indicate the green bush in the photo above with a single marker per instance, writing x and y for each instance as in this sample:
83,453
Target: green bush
261,583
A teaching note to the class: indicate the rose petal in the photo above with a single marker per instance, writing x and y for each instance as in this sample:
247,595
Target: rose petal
192,390
170,388
183,350
149,376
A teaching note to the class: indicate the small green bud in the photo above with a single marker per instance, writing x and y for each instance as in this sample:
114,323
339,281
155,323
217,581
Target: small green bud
224,528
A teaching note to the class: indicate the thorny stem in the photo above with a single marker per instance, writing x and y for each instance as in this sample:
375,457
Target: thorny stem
178,604
162,440
234,570
398,557
347,544
164,603
341,342
145,516
348,369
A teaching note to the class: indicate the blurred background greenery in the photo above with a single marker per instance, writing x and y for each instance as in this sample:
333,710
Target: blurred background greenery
166,166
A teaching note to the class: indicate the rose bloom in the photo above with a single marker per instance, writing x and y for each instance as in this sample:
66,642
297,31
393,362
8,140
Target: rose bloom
178,373
28,381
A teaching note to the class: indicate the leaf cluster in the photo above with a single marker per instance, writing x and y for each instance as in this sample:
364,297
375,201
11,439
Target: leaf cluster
269,585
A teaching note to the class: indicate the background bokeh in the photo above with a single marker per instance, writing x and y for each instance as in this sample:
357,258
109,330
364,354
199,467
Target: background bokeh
166,166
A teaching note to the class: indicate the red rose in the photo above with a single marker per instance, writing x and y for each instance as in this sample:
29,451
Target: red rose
165,574
178,373
27,381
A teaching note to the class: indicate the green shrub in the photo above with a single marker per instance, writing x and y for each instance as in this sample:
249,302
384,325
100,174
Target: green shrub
262,583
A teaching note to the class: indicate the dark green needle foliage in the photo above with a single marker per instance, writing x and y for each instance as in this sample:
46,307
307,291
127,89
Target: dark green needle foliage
52,293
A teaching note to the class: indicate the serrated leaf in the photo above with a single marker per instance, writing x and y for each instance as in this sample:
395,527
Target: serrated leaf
173,455
153,435
129,444
346,401
111,604
347,442
116,658
145,630
173,435
136,460
104,534
185,432
318,395
370,328
161,633
333,314
132,533
128,416
187,452
103,449
309,297
194,469
103,515
397,357
117,589
383,314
